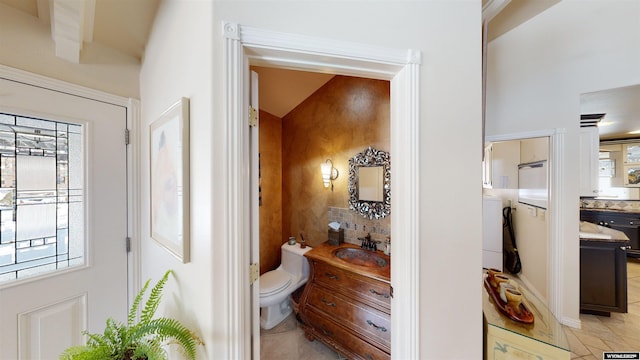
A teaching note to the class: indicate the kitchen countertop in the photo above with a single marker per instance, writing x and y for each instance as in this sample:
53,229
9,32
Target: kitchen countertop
631,211
593,232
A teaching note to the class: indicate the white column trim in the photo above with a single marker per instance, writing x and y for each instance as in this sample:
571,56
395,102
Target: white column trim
405,219
304,52
237,302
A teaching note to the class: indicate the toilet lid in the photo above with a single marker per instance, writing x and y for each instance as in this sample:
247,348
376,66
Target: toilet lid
273,281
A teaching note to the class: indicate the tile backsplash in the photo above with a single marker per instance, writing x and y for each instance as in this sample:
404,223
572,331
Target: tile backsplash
355,225
623,205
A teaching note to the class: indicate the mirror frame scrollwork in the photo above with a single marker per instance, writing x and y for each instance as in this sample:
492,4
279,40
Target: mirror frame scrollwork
368,158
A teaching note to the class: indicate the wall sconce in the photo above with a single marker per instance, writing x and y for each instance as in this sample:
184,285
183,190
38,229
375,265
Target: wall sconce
329,173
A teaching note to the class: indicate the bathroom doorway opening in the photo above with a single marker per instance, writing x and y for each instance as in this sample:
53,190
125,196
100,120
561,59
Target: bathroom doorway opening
340,117
246,46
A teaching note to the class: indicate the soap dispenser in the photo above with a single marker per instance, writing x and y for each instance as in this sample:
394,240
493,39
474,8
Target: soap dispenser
387,246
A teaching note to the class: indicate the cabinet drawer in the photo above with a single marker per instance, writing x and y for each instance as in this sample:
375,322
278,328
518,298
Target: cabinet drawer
345,338
357,316
368,289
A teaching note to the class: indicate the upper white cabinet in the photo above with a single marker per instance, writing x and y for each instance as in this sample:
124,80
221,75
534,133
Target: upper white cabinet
589,169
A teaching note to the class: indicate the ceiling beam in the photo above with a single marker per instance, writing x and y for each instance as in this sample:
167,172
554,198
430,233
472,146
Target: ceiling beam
71,26
491,8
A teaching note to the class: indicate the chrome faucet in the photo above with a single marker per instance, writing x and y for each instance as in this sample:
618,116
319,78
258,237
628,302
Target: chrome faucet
367,243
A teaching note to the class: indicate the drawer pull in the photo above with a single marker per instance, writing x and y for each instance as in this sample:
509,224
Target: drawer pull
326,332
381,328
331,276
328,303
386,295
368,356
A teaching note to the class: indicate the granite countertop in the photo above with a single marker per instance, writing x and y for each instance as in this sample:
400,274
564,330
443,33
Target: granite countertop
630,211
325,253
593,232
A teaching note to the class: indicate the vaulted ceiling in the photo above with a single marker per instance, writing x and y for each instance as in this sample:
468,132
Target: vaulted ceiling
122,25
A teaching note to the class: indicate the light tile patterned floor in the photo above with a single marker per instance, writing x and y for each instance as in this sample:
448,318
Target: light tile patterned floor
620,332
286,341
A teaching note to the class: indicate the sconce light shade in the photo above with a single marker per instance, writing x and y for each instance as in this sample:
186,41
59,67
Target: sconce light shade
329,173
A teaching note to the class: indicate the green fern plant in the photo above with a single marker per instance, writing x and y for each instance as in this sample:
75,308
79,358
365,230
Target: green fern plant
140,338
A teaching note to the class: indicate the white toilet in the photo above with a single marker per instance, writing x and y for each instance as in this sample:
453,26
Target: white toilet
277,285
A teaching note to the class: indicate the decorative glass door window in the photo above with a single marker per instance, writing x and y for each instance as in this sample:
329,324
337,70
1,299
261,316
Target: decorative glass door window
41,196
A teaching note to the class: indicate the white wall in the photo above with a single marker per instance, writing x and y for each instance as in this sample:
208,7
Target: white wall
26,44
447,34
536,74
178,63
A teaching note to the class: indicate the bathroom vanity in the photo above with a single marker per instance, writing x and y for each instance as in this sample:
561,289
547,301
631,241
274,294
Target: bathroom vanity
346,303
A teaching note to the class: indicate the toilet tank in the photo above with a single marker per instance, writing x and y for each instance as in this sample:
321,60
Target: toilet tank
293,260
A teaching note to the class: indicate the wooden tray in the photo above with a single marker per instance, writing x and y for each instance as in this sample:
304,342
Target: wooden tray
525,316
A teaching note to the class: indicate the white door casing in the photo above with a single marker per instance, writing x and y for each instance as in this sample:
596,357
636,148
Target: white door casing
254,135
41,316
244,46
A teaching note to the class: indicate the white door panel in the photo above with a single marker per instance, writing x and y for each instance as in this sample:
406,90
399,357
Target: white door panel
30,309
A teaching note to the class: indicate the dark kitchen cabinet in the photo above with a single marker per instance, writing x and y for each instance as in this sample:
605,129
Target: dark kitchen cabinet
628,223
603,277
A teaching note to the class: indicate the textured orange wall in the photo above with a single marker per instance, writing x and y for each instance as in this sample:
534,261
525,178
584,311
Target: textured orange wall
271,185
340,119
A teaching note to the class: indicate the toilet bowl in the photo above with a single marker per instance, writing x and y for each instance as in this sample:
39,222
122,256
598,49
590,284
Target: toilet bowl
277,285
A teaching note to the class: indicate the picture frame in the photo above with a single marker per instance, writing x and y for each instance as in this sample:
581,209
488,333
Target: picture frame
169,180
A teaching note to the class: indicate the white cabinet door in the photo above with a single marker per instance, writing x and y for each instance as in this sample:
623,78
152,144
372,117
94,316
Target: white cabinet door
42,316
589,148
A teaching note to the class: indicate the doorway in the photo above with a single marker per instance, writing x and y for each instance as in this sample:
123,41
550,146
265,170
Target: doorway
341,117
555,225
244,46
43,315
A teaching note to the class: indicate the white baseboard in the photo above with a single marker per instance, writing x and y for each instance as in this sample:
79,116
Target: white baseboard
571,322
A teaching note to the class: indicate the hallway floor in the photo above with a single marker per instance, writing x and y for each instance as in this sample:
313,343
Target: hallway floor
620,332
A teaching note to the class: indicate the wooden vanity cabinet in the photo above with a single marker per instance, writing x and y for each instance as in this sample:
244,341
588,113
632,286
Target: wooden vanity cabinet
348,311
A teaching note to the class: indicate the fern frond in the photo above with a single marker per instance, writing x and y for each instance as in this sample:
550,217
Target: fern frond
133,312
85,353
151,350
154,299
165,329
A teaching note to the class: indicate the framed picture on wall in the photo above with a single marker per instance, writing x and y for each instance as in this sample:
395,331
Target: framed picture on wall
169,179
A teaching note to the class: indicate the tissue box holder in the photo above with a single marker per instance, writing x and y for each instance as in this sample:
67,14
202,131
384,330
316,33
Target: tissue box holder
336,237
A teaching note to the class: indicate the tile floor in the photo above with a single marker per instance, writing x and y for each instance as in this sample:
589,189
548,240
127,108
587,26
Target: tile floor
620,332
286,341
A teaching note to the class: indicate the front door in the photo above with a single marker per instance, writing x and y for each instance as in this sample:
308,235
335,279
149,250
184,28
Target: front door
63,260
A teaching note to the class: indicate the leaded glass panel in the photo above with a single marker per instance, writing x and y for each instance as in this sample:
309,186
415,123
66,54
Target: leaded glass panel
41,196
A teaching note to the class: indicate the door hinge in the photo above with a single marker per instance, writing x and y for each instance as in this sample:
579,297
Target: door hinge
254,273
253,116
126,137
391,291
128,244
